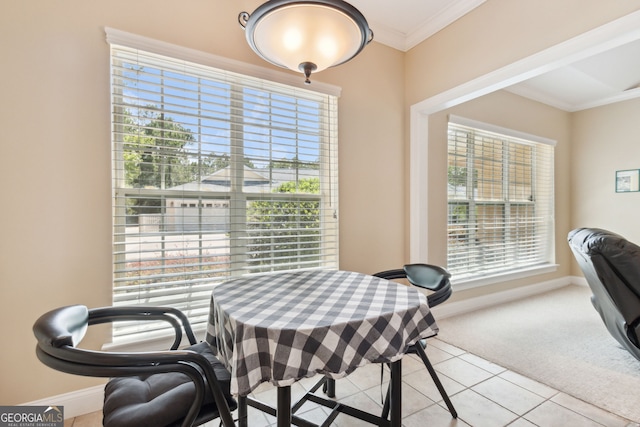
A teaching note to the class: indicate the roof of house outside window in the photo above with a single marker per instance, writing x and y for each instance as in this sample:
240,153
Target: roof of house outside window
255,180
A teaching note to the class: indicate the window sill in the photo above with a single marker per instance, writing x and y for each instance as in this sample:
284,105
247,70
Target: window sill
463,284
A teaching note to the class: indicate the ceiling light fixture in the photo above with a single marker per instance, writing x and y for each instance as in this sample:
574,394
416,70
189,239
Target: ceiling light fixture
307,36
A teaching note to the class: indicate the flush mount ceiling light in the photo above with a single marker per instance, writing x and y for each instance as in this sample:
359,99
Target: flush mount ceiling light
308,36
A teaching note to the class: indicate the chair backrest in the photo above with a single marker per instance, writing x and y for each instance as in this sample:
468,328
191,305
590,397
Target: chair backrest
611,266
59,332
62,327
427,276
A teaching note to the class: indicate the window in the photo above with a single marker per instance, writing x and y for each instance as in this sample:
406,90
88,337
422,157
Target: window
215,174
500,200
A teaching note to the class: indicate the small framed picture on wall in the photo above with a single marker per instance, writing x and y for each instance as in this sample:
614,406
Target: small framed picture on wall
627,180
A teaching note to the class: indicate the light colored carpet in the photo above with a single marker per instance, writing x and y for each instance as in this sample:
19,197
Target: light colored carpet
556,338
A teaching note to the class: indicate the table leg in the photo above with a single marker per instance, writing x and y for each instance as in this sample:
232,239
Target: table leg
330,387
284,406
396,393
242,412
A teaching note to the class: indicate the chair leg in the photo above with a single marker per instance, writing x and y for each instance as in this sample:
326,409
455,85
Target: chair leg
420,350
386,408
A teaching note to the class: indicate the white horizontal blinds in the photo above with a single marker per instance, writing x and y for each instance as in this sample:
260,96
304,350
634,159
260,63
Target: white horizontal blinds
282,138
500,202
215,174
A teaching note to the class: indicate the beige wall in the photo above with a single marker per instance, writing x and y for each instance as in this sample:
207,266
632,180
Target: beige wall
605,140
494,35
55,157
55,142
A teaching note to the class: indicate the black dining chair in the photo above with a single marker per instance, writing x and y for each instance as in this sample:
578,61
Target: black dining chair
436,280
156,388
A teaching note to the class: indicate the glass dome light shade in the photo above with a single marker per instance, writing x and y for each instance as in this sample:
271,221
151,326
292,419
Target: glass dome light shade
291,34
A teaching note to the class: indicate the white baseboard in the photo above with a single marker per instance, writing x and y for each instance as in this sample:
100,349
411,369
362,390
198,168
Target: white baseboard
75,403
89,400
455,308
578,280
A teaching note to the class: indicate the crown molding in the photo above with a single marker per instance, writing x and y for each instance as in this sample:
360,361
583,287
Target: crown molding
406,41
572,108
455,11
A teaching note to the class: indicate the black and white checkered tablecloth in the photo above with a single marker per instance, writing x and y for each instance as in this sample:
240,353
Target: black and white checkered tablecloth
284,327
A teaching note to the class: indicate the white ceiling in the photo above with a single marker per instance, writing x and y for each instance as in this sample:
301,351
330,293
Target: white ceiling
605,78
602,79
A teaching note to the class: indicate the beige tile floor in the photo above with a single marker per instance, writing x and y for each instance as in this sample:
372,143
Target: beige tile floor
484,394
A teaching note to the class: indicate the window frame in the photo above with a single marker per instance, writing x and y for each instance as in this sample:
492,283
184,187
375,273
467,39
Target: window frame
327,173
549,265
